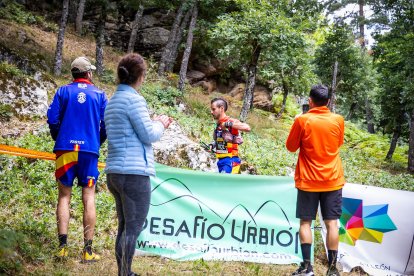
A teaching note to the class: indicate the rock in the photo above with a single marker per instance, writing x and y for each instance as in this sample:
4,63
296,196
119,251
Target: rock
237,91
111,26
193,76
207,85
164,18
148,21
177,150
205,67
26,96
154,36
262,96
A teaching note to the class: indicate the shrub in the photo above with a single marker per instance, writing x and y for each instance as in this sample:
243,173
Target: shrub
6,112
11,70
161,96
108,77
291,108
10,261
16,12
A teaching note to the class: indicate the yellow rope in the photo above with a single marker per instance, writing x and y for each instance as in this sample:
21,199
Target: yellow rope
16,151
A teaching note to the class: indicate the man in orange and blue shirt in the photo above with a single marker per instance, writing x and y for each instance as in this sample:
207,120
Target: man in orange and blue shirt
76,123
227,137
319,176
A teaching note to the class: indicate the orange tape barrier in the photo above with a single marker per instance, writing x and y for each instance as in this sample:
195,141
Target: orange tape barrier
16,151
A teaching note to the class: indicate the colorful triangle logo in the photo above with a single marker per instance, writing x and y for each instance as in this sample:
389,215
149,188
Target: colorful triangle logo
368,223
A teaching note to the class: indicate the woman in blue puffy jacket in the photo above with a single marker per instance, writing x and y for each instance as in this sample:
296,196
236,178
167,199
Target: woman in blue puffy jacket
130,160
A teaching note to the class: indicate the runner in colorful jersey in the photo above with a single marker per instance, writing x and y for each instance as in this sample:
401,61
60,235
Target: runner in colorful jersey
76,122
227,137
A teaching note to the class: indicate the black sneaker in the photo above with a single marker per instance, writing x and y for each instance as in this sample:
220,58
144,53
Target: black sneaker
332,271
305,269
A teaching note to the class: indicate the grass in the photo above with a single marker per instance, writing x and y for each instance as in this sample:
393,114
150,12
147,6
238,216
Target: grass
28,192
162,266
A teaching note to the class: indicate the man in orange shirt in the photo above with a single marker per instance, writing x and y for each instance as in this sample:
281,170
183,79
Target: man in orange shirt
319,176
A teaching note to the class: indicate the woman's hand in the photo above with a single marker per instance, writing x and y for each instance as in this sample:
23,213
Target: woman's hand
164,119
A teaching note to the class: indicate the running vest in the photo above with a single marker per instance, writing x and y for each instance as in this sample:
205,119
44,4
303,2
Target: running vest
227,140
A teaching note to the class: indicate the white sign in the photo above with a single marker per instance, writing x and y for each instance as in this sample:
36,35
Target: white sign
376,230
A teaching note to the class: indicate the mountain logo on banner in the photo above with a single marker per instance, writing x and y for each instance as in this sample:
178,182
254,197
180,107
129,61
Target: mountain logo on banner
359,222
187,194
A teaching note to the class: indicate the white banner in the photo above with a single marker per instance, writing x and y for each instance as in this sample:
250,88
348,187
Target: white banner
376,230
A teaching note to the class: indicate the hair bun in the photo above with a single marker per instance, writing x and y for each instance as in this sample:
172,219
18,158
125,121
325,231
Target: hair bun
131,69
123,71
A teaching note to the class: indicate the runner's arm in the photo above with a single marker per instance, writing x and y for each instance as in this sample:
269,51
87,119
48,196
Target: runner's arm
236,124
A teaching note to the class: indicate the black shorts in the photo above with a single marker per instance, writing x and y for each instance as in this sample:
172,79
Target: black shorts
307,204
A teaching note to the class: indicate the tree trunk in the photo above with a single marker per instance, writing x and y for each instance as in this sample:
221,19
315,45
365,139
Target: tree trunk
73,11
188,46
394,140
79,17
60,38
361,20
369,116
134,29
411,146
169,66
368,110
100,42
167,49
285,94
332,101
250,83
351,111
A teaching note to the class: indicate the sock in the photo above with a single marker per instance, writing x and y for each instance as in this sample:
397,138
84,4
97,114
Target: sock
306,252
63,239
88,246
332,254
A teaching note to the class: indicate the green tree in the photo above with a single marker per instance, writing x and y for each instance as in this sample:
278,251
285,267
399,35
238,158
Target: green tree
394,52
356,78
359,21
256,32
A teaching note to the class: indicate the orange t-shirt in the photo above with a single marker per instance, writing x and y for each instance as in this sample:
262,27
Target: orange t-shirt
318,134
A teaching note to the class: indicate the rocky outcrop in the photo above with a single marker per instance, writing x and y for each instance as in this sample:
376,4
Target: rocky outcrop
262,96
177,150
23,100
208,85
27,64
27,96
152,34
194,76
206,68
